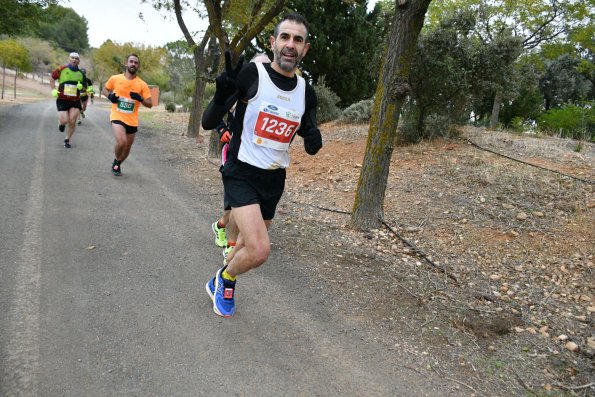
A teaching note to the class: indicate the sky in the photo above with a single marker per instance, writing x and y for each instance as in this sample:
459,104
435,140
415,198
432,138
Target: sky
119,21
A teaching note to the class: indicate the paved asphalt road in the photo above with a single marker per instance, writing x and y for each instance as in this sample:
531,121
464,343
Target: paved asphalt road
102,286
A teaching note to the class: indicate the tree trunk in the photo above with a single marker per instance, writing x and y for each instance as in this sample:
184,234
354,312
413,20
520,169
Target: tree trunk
391,93
496,110
197,99
16,72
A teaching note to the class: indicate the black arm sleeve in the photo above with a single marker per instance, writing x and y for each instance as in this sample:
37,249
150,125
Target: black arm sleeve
214,113
309,118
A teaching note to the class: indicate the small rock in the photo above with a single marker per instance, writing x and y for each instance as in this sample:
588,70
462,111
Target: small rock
513,233
538,214
495,277
508,206
591,342
562,337
591,309
521,216
573,347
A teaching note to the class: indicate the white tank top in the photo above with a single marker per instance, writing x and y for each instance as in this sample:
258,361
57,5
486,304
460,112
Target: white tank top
271,120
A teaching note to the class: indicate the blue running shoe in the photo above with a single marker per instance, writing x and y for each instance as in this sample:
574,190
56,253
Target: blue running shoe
222,293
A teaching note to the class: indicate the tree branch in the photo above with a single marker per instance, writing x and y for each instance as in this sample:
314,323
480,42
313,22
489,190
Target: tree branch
182,24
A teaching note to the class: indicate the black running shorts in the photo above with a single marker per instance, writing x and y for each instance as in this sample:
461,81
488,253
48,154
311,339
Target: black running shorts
130,129
64,106
245,184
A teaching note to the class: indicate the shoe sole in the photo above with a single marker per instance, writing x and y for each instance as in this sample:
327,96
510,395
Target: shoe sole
209,290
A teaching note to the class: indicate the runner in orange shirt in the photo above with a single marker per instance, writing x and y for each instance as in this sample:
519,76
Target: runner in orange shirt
126,91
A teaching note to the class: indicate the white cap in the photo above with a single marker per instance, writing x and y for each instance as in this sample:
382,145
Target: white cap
75,55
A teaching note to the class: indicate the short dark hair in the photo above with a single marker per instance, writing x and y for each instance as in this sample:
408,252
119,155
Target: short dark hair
294,17
133,55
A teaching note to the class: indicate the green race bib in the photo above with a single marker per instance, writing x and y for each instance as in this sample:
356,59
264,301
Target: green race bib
125,105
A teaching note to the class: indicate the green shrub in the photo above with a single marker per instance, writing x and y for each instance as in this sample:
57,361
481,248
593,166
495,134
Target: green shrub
408,132
358,112
327,103
570,121
170,107
439,126
167,97
517,124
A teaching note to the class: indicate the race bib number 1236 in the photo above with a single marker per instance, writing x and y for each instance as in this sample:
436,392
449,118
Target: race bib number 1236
275,127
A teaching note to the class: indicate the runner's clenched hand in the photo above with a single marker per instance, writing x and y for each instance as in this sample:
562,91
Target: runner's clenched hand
312,141
113,97
225,83
136,96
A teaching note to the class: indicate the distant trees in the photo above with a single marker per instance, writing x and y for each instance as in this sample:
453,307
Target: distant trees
181,72
13,55
44,28
452,70
46,20
110,59
64,27
343,52
22,17
42,54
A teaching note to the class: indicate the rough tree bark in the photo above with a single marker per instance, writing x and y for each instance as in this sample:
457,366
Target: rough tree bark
391,93
496,110
199,67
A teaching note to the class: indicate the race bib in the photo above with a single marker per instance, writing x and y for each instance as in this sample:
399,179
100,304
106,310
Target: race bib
125,105
70,90
275,127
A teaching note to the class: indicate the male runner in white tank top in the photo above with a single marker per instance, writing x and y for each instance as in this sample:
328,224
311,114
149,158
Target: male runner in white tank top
273,105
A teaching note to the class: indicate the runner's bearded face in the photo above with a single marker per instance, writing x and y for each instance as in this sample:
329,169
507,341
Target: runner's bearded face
132,65
290,46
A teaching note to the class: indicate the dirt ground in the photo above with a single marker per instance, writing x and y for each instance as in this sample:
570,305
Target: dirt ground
483,268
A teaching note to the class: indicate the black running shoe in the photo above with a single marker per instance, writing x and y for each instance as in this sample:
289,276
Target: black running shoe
62,127
116,168
67,143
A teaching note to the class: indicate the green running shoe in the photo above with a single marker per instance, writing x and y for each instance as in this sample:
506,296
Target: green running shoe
220,236
226,251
